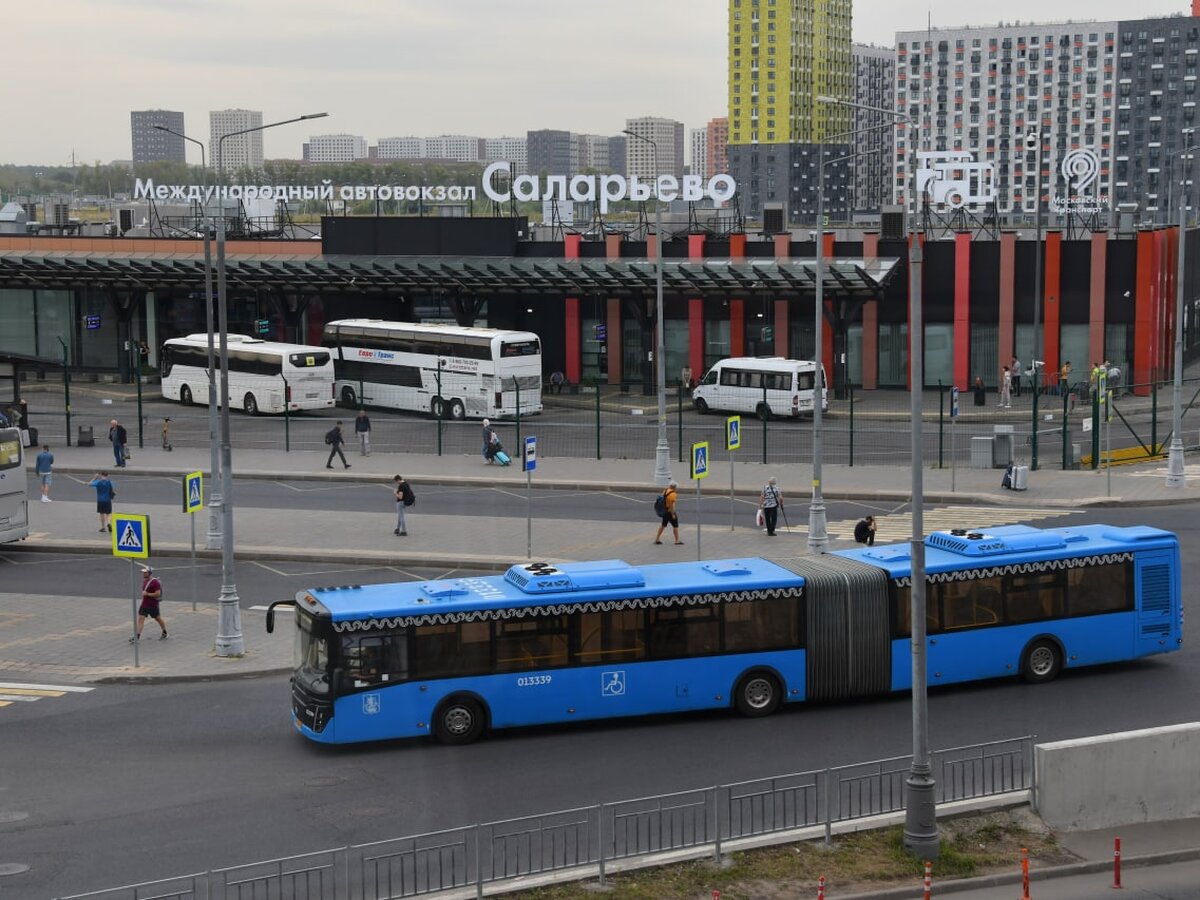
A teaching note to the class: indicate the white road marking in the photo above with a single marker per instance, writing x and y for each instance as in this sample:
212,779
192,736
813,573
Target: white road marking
68,688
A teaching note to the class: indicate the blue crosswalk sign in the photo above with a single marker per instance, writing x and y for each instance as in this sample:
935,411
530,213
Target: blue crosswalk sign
700,460
131,535
733,433
193,492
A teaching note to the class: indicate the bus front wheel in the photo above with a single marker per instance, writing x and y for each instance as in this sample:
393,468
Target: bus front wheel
250,405
701,406
436,407
458,721
349,400
758,694
1043,661
185,395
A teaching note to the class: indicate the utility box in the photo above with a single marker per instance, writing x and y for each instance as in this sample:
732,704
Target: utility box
981,453
1002,446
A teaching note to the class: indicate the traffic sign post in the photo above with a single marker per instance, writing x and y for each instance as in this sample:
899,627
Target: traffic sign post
953,441
193,502
529,463
699,471
733,441
131,540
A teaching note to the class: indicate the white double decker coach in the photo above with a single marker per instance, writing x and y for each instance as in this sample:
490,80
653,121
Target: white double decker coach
444,370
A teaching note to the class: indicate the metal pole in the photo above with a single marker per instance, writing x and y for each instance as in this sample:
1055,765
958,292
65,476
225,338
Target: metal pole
135,361
818,537
528,514
597,420
1108,442
1037,301
66,388
920,816
1175,471
215,501
730,484
441,405
287,418
133,593
698,556
192,521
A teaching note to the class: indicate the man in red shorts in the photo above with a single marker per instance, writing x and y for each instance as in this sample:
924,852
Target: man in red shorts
151,592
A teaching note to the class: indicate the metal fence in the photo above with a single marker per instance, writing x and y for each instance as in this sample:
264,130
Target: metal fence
584,842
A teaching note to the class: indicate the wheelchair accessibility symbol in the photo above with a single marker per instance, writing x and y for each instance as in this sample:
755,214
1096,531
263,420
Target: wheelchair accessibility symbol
370,704
612,684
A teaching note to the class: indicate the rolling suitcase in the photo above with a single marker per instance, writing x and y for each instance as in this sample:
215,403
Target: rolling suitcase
1020,478
502,458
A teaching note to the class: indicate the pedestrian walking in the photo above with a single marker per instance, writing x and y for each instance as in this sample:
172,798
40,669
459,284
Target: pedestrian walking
404,497
1005,387
149,608
1015,369
864,531
43,467
669,516
769,501
685,379
980,391
118,438
105,492
1064,378
489,437
335,439
362,427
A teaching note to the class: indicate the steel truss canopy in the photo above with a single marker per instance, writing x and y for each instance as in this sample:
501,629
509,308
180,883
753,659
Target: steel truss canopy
785,278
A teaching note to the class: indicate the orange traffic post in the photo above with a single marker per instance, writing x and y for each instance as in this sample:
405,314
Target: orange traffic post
821,888
1025,874
928,880
1116,863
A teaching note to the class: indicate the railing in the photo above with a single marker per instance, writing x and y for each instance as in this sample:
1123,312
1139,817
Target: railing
584,842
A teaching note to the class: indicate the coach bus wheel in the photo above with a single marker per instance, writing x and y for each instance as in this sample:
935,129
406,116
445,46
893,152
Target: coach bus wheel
1042,662
458,721
435,407
348,397
457,410
250,405
701,406
763,411
757,694
185,395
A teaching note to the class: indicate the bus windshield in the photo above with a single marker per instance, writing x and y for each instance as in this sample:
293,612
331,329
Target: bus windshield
10,449
311,657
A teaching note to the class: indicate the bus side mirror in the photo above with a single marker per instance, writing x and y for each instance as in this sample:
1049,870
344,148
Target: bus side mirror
335,682
271,621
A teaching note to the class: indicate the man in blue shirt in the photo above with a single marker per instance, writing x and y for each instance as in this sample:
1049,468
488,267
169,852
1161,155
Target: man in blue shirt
44,468
105,491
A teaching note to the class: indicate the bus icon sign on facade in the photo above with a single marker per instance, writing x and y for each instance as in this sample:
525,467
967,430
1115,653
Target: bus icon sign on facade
733,433
700,460
131,536
193,492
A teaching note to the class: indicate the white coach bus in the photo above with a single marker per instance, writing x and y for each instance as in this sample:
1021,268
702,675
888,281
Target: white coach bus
264,376
771,386
444,370
14,492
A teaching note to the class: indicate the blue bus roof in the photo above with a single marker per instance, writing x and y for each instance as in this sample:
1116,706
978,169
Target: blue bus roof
609,579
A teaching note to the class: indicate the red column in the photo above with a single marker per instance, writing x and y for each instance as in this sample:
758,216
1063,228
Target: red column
737,308
1008,316
1051,309
696,314
1096,297
613,335
962,314
573,338
826,330
870,323
783,250
1145,311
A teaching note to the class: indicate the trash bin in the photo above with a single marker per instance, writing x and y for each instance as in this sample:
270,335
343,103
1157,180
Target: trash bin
31,437
981,453
85,438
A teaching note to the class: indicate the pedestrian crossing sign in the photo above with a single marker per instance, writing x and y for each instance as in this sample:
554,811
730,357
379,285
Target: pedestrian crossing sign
193,492
699,460
131,536
733,433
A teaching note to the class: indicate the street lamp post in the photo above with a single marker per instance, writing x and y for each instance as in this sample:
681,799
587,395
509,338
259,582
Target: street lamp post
213,539
1175,471
1034,141
229,617
662,452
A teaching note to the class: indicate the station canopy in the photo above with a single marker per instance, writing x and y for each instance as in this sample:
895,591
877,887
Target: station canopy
861,279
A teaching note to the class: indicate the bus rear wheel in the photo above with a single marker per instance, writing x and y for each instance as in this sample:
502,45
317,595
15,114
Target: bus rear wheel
763,411
458,721
701,406
758,694
349,399
457,410
250,405
185,395
1043,661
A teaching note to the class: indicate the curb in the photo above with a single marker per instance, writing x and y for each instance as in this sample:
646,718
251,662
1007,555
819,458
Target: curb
1064,871
186,679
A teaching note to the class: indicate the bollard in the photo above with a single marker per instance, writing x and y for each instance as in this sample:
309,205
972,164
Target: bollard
1025,874
928,880
1116,863
821,888
716,895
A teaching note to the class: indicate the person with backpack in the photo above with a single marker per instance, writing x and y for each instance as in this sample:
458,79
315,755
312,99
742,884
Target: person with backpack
404,497
335,439
664,507
769,501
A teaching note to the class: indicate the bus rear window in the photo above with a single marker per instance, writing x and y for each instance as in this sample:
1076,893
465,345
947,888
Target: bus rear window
308,360
519,348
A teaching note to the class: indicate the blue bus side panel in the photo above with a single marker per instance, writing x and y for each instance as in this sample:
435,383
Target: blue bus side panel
594,692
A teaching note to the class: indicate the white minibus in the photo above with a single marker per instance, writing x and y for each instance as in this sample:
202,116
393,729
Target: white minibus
14,496
770,386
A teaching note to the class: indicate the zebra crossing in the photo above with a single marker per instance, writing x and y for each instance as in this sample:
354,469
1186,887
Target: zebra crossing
898,527
18,692
1190,471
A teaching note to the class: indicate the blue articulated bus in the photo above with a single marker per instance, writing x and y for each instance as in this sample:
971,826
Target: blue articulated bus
556,643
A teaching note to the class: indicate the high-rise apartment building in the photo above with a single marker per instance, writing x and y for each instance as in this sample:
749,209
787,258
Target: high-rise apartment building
669,144
242,152
782,56
698,151
335,148
511,149
589,152
618,154
548,151
457,147
874,85
400,148
717,152
151,144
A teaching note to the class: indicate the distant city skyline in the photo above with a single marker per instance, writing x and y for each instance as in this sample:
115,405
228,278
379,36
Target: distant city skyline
455,75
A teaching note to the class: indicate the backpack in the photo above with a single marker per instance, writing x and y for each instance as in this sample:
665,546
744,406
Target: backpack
407,495
660,505
329,437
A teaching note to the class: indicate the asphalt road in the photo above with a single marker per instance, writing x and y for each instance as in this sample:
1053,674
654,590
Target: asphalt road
129,783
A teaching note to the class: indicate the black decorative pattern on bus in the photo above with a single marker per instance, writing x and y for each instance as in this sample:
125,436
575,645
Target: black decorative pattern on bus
559,609
1024,568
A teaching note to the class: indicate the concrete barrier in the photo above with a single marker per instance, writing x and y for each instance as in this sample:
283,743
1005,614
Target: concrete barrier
1114,779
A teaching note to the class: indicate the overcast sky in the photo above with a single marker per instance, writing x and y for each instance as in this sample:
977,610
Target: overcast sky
382,68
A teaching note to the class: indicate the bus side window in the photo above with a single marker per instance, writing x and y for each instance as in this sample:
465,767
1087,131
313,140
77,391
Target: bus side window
1099,589
165,361
902,598
1034,596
